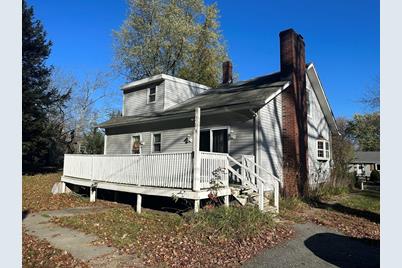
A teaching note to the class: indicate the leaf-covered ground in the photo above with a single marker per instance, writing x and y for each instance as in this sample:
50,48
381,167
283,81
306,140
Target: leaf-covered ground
39,253
216,237
37,196
354,214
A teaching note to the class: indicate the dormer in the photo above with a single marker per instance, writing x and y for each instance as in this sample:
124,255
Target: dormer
157,94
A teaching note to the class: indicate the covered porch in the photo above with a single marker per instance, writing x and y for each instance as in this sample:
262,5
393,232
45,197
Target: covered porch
192,175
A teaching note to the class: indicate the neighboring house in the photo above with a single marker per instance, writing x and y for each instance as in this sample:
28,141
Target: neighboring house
365,162
269,129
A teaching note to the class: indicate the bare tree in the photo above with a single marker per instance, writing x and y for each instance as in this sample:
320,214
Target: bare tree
372,96
91,101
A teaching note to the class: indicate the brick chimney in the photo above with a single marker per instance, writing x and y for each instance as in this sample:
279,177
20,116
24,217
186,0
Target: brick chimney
227,77
294,114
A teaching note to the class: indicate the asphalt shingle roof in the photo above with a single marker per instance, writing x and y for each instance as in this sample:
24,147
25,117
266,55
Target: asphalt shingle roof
251,94
367,157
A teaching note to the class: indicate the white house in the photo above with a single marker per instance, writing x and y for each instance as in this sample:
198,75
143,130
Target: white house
365,162
268,134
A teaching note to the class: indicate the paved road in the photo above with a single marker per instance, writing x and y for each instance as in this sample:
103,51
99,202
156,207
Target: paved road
317,246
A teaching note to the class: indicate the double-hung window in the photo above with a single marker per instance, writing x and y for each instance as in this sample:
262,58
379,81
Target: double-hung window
323,152
156,143
152,95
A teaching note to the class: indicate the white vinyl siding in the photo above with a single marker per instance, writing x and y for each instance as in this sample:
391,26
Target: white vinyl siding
173,140
176,92
270,140
137,101
318,129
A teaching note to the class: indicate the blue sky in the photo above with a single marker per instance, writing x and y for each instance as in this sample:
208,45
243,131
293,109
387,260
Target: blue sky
342,39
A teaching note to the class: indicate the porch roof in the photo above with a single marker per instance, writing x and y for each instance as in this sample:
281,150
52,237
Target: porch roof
243,95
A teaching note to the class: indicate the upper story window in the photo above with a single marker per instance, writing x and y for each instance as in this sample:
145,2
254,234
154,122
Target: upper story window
152,94
156,143
323,150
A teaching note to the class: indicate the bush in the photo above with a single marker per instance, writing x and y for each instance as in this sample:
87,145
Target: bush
325,191
375,176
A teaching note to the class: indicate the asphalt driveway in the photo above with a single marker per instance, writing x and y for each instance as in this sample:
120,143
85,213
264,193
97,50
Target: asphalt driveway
318,246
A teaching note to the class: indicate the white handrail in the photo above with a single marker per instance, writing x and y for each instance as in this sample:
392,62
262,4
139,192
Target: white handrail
263,169
246,168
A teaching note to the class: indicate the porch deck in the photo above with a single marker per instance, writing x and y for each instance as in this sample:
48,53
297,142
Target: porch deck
164,174
187,175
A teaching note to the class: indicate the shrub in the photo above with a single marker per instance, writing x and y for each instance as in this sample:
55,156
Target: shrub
325,191
375,176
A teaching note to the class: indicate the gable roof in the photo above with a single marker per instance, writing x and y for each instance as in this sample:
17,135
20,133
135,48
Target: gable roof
367,157
249,94
160,78
322,98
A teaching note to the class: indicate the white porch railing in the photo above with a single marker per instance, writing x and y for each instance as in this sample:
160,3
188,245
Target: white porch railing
167,170
170,170
212,166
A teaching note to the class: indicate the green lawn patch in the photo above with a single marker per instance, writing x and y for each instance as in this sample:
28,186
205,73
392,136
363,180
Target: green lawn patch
364,200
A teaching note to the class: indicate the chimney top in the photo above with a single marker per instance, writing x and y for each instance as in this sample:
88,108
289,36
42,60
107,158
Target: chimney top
227,74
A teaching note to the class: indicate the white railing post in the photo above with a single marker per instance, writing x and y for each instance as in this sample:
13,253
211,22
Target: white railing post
260,195
196,151
276,195
243,171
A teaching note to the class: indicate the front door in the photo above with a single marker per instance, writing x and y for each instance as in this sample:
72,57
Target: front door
214,140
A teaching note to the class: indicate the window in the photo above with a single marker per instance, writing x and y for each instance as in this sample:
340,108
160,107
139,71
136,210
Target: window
136,144
156,143
323,150
152,95
378,167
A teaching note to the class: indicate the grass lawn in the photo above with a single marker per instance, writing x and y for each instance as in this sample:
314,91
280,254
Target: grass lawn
363,200
214,237
37,196
355,214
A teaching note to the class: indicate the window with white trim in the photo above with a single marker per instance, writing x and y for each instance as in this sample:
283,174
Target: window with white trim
323,152
156,142
136,144
152,95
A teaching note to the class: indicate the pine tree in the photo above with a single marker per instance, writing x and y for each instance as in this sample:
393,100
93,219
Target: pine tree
41,104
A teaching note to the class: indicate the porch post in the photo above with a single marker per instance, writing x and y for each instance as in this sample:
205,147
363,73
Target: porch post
196,205
139,203
196,151
226,199
92,194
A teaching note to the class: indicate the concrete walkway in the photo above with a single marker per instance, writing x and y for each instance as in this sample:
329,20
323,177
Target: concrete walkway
79,244
318,246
